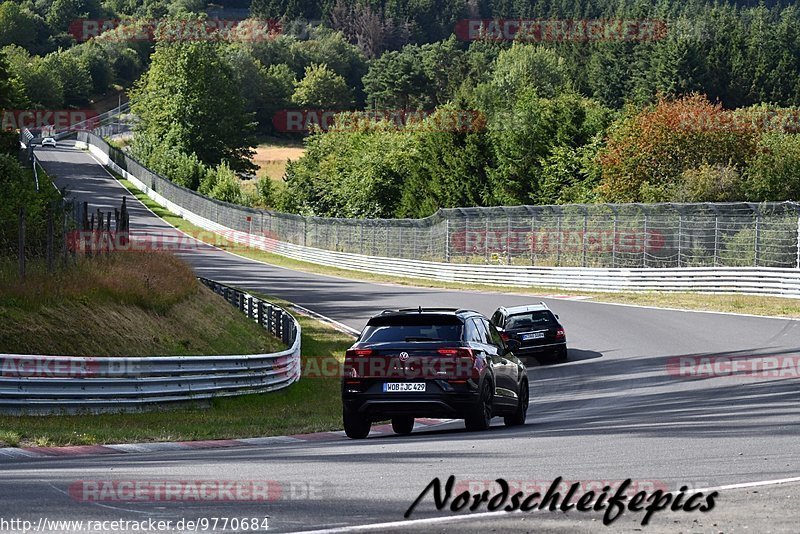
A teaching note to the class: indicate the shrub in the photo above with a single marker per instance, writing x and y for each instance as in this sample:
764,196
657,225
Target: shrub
649,151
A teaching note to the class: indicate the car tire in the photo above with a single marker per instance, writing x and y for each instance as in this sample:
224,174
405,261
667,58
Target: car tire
561,355
356,425
480,416
521,412
403,424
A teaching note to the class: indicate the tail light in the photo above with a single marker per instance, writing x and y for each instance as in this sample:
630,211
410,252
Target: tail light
465,363
350,357
560,333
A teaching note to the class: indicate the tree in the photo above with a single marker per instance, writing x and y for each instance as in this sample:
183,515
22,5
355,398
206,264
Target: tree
11,89
523,140
221,183
397,80
63,12
647,152
94,59
41,85
774,171
321,88
189,97
326,47
17,25
522,69
264,90
75,77
370,30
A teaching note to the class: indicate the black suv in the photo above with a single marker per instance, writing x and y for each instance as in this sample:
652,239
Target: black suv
431,362
535,327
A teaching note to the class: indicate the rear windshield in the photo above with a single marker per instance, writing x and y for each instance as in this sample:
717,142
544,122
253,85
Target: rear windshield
412,328
530,320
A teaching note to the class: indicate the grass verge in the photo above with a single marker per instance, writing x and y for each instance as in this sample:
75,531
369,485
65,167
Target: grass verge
311,405
751,304
124,304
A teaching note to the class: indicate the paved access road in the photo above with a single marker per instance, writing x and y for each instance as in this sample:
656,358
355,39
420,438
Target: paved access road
612,412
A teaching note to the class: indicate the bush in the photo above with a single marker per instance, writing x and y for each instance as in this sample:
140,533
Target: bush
709,183
265,192
777,246
774,172
647,152
224,185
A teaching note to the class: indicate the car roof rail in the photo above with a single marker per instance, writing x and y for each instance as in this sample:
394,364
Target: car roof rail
420,309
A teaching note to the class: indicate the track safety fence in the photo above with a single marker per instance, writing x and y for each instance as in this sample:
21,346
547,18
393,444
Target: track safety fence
717,247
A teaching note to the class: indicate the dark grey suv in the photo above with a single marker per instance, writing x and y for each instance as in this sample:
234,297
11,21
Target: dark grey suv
434,362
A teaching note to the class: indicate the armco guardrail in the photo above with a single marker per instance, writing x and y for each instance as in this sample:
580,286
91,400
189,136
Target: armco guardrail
61,384
230,221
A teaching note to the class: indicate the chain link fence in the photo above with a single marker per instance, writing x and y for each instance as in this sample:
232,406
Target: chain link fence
591,235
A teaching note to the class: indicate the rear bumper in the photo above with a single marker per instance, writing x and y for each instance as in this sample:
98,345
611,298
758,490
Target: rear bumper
548,348
377,405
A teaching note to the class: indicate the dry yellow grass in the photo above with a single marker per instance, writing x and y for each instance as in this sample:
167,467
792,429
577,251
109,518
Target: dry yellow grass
127,304
271,158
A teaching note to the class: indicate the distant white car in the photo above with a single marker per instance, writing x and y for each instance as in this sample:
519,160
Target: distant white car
49,141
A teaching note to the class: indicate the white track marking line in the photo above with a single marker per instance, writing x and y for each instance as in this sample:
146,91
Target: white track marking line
743,485
500,292
482,515
336,324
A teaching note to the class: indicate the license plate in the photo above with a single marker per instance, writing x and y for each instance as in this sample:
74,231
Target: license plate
403,386
535,335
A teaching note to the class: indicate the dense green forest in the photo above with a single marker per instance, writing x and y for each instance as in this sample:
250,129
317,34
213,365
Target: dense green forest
706,109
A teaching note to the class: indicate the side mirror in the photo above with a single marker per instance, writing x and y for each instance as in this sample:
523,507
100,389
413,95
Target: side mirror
513,345
556,316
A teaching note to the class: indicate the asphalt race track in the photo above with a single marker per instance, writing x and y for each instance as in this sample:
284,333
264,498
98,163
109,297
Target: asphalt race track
612,412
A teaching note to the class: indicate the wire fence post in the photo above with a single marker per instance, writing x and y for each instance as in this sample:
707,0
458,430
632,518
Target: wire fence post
447,240
584,242
757,237
680,235
508,239
400,249
797,263
486,240
614,238
644,240
716,237
532,240
558,239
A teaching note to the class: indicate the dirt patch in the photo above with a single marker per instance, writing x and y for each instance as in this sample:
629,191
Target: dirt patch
271,159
